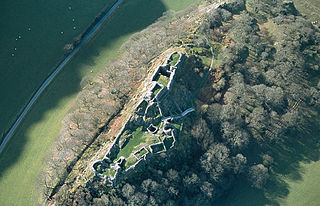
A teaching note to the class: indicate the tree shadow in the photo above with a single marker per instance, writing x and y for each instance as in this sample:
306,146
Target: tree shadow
298,147
132,16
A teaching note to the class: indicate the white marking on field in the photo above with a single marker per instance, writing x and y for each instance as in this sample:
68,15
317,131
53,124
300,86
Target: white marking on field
52,75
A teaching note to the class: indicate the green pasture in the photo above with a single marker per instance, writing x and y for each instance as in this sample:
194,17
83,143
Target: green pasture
157,89
294,175
306,190
22,159
141,153
163,80
175,58
130,161
32,38
287,191
309,8
138,136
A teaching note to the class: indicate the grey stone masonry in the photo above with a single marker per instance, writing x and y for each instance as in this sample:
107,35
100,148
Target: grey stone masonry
146,115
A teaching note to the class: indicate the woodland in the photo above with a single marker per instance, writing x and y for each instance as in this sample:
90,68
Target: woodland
261,96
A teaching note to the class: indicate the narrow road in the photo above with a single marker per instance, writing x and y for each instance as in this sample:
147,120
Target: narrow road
54,74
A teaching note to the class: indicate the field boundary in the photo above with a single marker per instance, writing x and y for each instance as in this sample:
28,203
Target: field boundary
49,79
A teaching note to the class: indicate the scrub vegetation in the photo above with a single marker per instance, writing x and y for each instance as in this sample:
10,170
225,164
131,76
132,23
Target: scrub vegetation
22,159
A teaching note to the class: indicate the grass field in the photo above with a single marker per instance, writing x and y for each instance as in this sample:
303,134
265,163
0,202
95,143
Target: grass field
138,136
130,161
163,80
33,35
294,180
309,8
291,192
305,191
175,58
22,159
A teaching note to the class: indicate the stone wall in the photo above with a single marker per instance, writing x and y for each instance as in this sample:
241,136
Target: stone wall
141,109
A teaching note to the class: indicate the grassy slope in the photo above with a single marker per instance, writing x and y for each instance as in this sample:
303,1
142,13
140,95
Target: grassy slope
293,192
22,160
306,190
38,50
310,8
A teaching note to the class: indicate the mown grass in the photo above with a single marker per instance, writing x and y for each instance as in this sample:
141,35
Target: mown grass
39,48
22,159
175,58
141,153
130,161
138,136
157,89
163,80
152,139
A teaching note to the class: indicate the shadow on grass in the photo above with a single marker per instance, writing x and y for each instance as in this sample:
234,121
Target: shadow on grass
132,16
296,148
